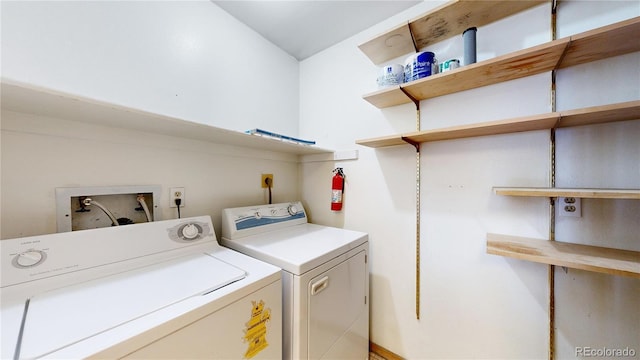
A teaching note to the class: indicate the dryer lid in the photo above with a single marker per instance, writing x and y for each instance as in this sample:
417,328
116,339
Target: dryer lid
62,317
300,248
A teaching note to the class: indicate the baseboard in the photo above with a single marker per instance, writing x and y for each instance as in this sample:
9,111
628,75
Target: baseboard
379,350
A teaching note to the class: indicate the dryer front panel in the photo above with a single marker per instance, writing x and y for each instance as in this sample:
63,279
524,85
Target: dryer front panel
337,303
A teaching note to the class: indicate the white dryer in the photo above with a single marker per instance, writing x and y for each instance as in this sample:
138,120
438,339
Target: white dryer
157,290
325,277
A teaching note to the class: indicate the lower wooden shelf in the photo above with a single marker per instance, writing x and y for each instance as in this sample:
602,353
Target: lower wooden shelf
631,194
576,256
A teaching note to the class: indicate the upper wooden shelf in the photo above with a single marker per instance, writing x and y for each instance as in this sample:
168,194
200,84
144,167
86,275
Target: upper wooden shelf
577,256
597,44
441,23
633,194
586,116
29,99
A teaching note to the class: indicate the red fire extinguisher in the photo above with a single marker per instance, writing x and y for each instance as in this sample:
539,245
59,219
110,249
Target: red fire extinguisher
337,189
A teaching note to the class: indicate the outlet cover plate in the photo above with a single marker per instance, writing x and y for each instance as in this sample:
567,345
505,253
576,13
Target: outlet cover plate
176,193
263,179
570,206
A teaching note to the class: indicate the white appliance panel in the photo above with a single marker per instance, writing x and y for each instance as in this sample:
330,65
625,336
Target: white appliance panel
329,262
109,292
298,329
299,248
251,220
87,309
337,299
206,339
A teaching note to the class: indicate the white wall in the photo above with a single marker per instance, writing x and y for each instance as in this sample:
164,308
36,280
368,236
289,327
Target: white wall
475,305
186,59
165,58
595,309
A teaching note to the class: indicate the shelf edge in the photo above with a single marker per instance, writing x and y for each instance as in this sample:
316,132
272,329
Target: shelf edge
602,114
577,256
586,193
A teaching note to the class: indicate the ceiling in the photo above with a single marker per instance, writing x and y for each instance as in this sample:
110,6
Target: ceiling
305,27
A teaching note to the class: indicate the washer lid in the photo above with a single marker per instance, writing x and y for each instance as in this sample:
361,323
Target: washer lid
62,317
300,248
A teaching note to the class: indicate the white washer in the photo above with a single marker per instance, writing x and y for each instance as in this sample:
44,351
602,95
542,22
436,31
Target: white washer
325,277
164,289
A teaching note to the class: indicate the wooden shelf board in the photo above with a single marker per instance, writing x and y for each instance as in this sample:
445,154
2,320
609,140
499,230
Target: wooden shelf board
439,24
633,194
523,63
600,114
395,42
387,97
529,123
383,141
453,18
608,41
605,42
577,256
587,116
29,99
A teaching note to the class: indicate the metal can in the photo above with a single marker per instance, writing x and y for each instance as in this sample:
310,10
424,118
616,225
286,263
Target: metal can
391,75
424,64
449,65
408,68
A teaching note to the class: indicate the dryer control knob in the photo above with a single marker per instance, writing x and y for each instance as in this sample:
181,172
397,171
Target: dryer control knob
190,231
29,258
292,209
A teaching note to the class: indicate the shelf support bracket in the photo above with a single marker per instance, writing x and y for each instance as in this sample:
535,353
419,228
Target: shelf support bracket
415,101
415,144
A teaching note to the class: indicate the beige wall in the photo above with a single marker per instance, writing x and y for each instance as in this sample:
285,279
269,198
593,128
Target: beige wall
40,154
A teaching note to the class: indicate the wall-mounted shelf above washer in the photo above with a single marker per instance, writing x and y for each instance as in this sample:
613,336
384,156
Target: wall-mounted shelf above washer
25,98
439,24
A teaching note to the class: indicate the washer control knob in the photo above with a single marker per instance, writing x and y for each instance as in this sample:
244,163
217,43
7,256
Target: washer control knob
190,231
292,209
29,258
258,215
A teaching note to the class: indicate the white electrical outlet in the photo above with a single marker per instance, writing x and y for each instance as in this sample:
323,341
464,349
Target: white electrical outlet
176,193
570,206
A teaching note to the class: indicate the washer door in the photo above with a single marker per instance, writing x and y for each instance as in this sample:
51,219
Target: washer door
337,300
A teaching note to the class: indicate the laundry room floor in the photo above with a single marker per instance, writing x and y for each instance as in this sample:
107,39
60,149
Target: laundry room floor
374,356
